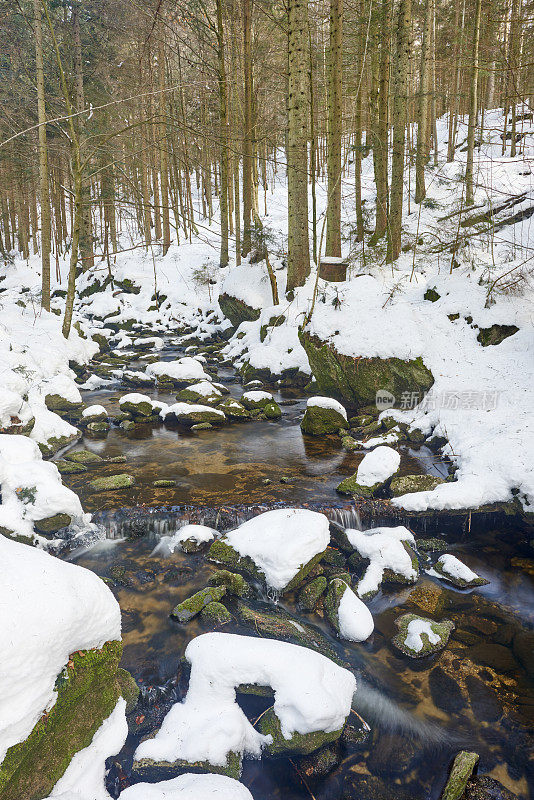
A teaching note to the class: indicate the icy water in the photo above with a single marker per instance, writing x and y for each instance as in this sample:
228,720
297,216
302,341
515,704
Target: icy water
474,695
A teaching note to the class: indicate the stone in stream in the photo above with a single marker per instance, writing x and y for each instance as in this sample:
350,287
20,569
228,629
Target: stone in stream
98,428
297,743
112,482
52,524
202,392
311,593
432,545
163,484
84,457
234,582
215,614
323,415
256,400
189,414
487,788
69,467
374,473
138,405
419,637
347,613
94,413
451,569
462,769
414,483
234,409
191,606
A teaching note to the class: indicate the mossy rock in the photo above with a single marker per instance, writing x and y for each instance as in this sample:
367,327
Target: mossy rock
432,295
428,598
141,409
495,334
56,443
52,524
299,743
336,590
361,420
84,457
357,380
432,545
442,630
274,322
59,404
414,483
202,426
318,421
236,310
215,614
234,582
351,488
257,404
129,689
98,428
101,341
163,484
223,553
112,483
196,417
459,583
311,593
350,443
148,768
87,693
189,395
271,410
17,537
69,467
189,608
234,409
462,769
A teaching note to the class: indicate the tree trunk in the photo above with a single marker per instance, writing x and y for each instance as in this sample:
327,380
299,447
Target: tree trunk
223,127
248,132
473,109
44,190
334,132
421,156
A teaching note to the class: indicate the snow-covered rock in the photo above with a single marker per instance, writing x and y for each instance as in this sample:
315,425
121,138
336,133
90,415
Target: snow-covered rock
389,554
182,371
193,414
190,538
189,787
347,613
323,415
139,405
279,546
451,569
311,694
418,636
377,466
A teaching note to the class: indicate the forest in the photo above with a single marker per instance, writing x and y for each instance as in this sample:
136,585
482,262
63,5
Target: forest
266,417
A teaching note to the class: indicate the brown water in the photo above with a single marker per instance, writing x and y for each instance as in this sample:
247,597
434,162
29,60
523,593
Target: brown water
474,695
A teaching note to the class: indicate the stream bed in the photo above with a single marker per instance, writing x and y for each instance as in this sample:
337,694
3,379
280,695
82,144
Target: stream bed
474,695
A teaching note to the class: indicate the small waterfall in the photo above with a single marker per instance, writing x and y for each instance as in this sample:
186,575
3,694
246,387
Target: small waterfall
348,517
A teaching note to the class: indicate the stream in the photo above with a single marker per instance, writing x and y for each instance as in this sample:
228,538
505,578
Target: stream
474,695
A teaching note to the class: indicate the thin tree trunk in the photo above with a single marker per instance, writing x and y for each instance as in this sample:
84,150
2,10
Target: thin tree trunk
473,109
421,156
248,132
44,189
223,127
334,132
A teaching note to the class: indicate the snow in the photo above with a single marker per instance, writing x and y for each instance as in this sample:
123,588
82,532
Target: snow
189,787
355,620
200,534
414,630
49,609
384,548
257,396
10,406
280,542
134,397
378,466
311,694
184,369
64,386
327,402
84,777
31,488
183,409
205,389
249,283
94,411
455,568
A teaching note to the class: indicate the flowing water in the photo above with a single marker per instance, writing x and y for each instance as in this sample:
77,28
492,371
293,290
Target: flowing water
474,695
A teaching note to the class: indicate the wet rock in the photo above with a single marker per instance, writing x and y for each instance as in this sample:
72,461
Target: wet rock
391,755
493,655
339,538
165,770
433,545
234,409
163,484
234,582
69,467
98,428
112,483
351,488
462,769
414,483
350,443
193,605
52,524
59,404
237,311
271,410
202,426
138,405
215,614
333,558
428,598
523,647
84,457
486,788
256,400
356,732
190,415
323,416
301,743
454,571
495,334
127,425
419,637
206,394
320,763
357,379
445,692
129,689
358,624
311,593
56,443
484,701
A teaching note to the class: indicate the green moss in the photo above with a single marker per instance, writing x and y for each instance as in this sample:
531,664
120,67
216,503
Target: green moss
84,457
52,524
495,334
192,417
460,583
431,295
236,310
189,395
128,688
442,629
301,743
311,593
101,341
318,421
56,443
432,545
189,608
234,409
87,693
336,590
57,403
462,769
147,767
141,409
351,487
357,380
69,468
163,484
272,410
234,582
414,483
112,482
98,428
215,614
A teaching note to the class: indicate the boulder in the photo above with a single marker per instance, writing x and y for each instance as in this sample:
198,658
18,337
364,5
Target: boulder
191,606
233,409
405,484
69,467
138,405
84,457
311,593
52,524
256,400
462,769
347,613
234,582
237,311
323,415
419,637
356,380
297,743
201,392
215,614
452,570
190,414
374,473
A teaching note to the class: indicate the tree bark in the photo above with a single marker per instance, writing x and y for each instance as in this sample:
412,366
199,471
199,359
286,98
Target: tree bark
44,189
473,109
334,132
